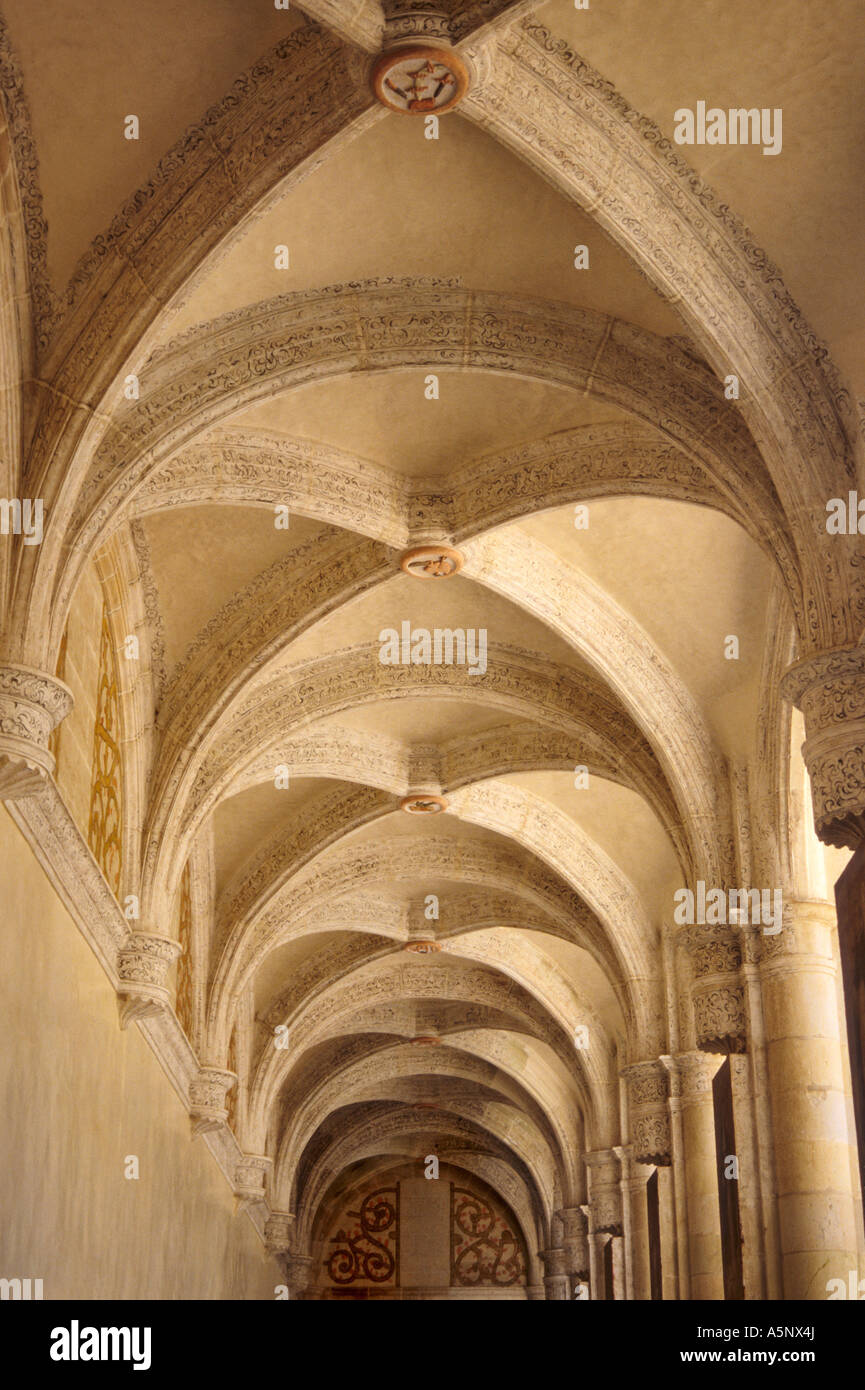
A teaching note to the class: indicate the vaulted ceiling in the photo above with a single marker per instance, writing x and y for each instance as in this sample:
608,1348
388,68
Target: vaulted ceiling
307,387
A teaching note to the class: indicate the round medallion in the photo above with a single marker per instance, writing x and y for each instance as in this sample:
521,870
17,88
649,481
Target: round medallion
431,561
423,804
420,79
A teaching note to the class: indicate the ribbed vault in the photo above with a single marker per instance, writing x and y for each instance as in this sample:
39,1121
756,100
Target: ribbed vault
362,986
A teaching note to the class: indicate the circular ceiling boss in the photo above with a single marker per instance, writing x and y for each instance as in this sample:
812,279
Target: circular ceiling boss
419,78
431,561
423,804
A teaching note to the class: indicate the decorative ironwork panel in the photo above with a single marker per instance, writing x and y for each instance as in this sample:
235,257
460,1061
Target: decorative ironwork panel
485,1249
185,1000
367,1249
105,827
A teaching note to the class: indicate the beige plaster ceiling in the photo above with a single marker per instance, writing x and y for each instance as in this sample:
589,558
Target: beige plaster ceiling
691,578
367,213
387,418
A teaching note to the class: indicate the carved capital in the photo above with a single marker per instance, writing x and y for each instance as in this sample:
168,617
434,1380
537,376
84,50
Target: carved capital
575,1242
605,1193
31,706
207,1092
718,995
829,689
649,1115
142,968
691,1075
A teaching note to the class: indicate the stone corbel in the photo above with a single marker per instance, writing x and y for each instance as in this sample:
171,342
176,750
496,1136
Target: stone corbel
829,689
207,1093
142,969
298,1272
250,1181
31,706
279,1234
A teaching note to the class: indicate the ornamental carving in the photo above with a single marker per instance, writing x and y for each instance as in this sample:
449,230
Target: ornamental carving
719,1019
334,876
648,1113
830,691
207,1098
712,950
17,113
250,1180
605,1194
31,706
691,1075
212,371
142,971
515,681
486,1247
104,832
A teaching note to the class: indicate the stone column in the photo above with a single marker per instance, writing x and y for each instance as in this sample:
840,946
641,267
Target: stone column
556,1282
755,1139
829,689
142,969
806,1087
692,1108
575,1241
651,1146
593,1253
605,1205
32,704
637,1253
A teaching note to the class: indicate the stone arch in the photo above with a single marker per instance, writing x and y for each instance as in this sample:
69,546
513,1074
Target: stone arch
212,372
363,1131
187,786
392,1064
622,946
